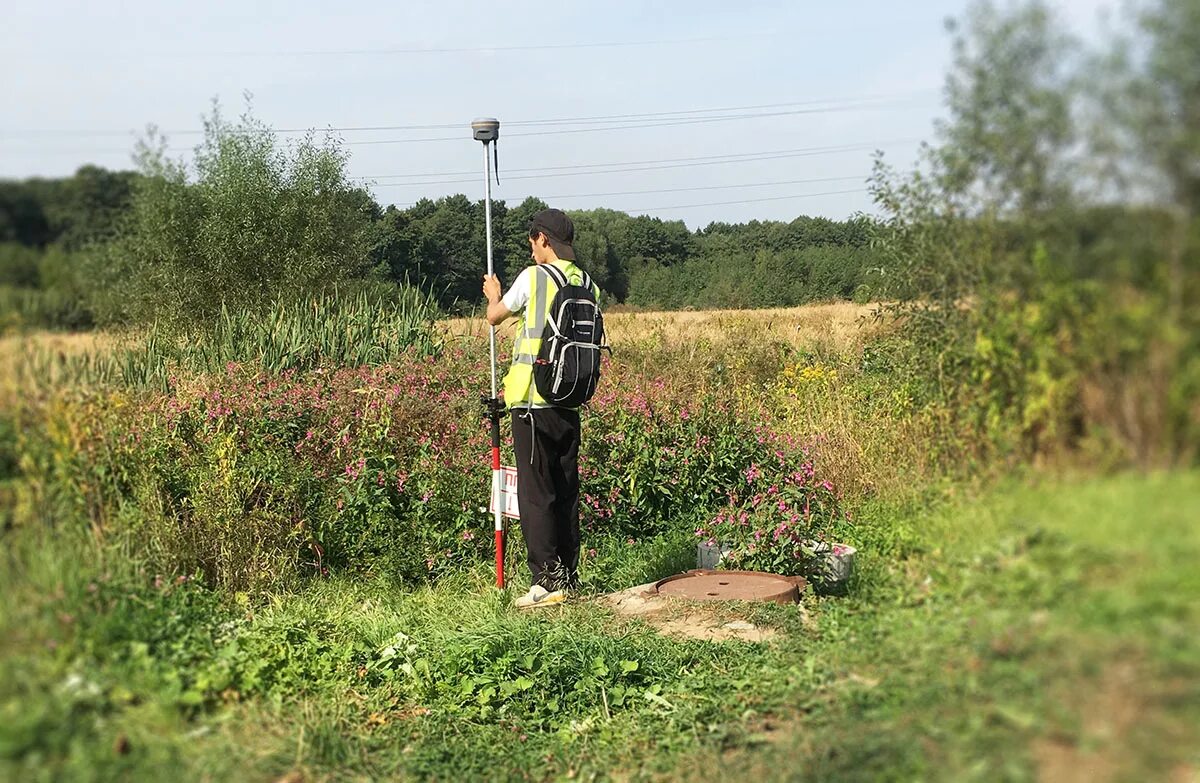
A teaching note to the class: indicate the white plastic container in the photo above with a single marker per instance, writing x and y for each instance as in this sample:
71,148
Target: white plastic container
711,555
839,563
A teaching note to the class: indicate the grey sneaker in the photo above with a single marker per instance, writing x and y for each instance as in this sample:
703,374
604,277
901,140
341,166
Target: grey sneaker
539,596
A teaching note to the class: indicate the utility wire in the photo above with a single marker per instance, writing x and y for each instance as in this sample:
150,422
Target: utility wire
708,187
406,50
856,148
600,118
733,156
716,203
683,190
637,126
747,200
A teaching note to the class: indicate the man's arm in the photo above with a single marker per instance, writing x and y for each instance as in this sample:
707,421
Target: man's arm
497,311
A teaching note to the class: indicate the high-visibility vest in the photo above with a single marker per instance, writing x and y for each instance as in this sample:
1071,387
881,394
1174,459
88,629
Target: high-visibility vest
519,389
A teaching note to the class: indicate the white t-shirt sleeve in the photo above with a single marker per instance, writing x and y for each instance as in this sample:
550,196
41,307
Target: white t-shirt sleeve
522,288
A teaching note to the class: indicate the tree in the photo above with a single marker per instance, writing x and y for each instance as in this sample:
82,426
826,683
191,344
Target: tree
88,206
258,222
1006,144
1148,122
22,214
515,232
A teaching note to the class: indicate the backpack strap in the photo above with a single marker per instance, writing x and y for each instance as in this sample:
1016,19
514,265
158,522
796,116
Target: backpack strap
556,274
561,280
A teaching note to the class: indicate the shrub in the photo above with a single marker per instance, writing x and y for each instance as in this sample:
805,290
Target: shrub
259,222
257,479
775,518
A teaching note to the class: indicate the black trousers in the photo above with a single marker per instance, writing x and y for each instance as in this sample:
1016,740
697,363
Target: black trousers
546,441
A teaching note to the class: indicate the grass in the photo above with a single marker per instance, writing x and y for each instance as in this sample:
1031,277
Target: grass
1045,631
837,327
862,416
348,330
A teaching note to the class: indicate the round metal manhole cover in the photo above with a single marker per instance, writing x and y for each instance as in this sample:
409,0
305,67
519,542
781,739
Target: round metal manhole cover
706,585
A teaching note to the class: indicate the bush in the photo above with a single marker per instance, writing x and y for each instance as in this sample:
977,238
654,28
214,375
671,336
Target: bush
258,223
775,519
258,479
41,289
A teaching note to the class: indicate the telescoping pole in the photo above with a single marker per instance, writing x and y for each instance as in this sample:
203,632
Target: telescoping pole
487,130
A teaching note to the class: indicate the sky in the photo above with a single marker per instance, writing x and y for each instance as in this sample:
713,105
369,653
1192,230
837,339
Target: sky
701,111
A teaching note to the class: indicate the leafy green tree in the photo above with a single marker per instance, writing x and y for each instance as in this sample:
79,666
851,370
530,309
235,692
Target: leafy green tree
88,205
19,266
258,222
595,253
448,236
1006,144
1147,126
22,214
513,235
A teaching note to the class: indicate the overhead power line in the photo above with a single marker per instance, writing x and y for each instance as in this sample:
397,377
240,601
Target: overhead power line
702,187
747,200
708,187
686,163
717,203
399,49
599,118
638,126
732,156
633,120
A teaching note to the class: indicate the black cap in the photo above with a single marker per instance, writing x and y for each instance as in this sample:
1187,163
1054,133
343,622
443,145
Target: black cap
558,230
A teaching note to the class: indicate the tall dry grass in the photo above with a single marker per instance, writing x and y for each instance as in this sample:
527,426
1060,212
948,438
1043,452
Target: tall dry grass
838,327
864,433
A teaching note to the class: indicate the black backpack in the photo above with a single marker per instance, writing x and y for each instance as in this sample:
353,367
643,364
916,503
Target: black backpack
567,367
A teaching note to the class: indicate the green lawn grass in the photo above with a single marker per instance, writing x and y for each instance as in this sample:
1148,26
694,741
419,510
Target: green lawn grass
1033,631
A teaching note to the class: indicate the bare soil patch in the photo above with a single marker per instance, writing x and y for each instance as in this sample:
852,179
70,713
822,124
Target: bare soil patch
683,619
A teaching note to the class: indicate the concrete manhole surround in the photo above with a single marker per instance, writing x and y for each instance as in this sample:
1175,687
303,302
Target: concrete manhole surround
709,585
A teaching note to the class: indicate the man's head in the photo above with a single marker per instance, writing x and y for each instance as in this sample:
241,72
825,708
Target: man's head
551,236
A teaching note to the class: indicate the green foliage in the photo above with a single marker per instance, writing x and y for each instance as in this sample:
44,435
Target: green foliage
73,211
41,289
258,223
19,266
777,521
767,278
1010,95
1012,283
370,327
958,656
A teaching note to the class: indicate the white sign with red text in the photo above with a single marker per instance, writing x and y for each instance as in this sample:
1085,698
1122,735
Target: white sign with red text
508,494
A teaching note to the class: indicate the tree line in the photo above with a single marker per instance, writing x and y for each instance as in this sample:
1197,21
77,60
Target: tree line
256,221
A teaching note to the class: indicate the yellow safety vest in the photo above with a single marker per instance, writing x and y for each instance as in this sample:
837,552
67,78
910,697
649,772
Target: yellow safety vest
519,389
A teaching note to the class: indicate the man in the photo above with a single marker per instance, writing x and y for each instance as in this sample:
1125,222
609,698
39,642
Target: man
545,437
